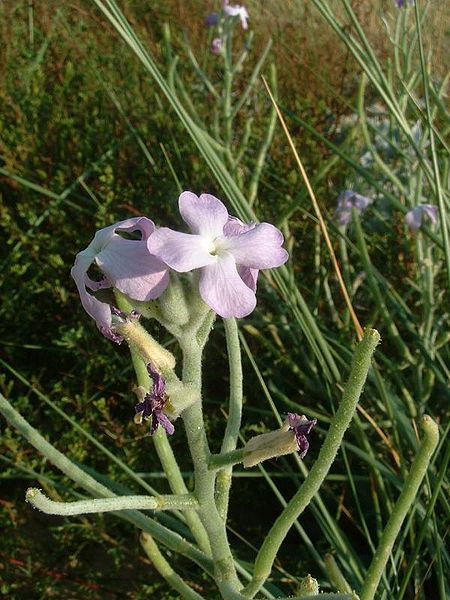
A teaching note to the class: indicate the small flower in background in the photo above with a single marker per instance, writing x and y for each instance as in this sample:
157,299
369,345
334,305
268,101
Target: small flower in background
223,249
152,404
400,3
346,202
415,216
216,45
301,426
125,265
236,11
212,19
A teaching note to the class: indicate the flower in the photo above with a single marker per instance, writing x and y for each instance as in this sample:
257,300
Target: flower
227,253
400,3
125,264
346,202
301,426
212,19
236,11
216,45
152,404
415,216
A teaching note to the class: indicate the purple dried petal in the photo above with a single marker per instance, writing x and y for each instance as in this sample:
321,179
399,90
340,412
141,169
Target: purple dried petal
301,426
212,19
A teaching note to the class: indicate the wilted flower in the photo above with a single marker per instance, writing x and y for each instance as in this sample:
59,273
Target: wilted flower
415,216
346,202
227,253
212,19
301,426
400,3
125,265
153,403
236,11
216,45
289,438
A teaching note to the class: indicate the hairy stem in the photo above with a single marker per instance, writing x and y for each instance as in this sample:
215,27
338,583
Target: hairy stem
339,423
401,507
96,505
224,476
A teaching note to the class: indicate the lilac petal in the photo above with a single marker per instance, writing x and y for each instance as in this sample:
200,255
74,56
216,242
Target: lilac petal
180,251
99,311
235,226
249,277
431,212
258,248
223,290
132,269
413,218
216,45
206,215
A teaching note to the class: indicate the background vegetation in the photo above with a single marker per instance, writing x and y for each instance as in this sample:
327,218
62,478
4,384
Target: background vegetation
88,138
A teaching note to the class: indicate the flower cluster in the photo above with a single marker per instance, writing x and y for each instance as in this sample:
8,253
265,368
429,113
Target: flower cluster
229,11
225,253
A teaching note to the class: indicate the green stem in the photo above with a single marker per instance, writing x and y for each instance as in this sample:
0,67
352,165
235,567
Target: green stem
335,574
164,449
227,459
316,476
403,504
169,538
225,572
95,505
165,570
224,476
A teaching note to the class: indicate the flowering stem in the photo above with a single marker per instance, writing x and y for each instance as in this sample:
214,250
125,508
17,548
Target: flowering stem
225,572
96,505
164,449
224,476
339,423
169,538
165,570
403,504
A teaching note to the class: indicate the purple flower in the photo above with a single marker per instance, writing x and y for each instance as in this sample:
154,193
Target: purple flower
212,19
236,11
152,405
125,264
346,202
216,45
227,253
400,3
301,426
415,216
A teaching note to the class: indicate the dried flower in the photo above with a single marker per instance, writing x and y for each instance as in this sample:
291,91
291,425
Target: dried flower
216,45
153,403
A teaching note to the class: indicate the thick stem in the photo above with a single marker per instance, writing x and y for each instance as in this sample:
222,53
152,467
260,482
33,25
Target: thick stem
96,505
165,570
224,476
228,459
340,422
403,504
225,572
